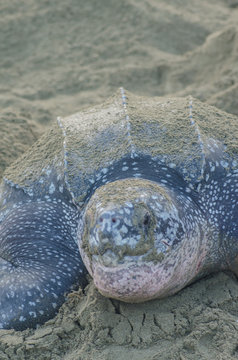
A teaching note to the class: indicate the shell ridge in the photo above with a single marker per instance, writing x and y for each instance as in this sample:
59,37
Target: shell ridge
65,161
3,196
127,120
197,131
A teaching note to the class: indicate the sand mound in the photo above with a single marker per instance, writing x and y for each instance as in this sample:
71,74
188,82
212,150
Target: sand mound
198,323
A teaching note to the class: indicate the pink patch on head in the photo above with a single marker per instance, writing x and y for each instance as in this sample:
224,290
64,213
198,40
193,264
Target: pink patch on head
131,283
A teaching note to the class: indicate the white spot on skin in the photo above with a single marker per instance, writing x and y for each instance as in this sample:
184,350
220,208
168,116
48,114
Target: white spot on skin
30,192
224,164
125,168
199,187
32,313
129,204
51,188
172,165
124,229
48,172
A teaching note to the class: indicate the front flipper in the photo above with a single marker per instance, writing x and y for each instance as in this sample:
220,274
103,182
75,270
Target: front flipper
39,263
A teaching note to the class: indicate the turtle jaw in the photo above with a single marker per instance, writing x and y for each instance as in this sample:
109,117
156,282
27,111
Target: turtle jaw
130,282
141,278
134,283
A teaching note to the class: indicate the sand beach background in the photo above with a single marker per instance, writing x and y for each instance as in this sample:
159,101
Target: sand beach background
57,57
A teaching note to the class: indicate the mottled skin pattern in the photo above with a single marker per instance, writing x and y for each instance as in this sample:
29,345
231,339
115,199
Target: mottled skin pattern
144,227
39,259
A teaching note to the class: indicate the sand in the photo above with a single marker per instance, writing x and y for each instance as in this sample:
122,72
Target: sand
57,57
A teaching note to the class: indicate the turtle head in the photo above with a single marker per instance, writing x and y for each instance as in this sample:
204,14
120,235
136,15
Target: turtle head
130,234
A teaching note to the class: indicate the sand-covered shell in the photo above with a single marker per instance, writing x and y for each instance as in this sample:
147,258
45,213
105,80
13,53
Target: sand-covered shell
83,148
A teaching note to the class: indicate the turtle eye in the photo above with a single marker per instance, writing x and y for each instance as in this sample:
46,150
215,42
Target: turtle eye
114,220
146,219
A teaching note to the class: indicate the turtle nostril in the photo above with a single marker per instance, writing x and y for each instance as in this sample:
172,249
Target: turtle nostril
146,219
101,219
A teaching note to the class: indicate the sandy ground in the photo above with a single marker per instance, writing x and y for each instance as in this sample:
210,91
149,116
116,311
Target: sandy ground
57,57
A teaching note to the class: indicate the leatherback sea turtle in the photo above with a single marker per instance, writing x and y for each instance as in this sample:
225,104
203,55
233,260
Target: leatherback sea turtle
147,188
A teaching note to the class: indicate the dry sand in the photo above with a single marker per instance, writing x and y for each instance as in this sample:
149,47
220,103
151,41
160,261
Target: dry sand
57,57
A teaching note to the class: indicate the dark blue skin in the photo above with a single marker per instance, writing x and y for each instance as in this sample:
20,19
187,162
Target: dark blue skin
39,261
34,249
39,257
